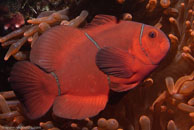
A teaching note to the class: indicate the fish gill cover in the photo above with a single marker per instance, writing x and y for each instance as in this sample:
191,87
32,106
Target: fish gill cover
164,100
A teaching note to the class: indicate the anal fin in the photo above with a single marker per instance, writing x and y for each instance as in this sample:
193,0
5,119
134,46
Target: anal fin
79,107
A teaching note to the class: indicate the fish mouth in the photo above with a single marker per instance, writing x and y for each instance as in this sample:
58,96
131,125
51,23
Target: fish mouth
142,48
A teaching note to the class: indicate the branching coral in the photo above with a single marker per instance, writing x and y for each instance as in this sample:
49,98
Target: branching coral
39,25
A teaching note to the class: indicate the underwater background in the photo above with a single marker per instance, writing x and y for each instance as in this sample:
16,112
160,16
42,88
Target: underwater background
163,101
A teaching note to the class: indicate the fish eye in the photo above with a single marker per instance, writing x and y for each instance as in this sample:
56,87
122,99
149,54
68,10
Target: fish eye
152,34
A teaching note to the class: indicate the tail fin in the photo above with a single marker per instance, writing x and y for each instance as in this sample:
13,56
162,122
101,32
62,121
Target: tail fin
35,89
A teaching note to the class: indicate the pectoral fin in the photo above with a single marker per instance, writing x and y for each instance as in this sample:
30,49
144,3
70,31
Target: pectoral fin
123,87
115,62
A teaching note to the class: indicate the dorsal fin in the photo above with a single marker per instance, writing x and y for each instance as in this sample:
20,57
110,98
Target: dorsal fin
102,19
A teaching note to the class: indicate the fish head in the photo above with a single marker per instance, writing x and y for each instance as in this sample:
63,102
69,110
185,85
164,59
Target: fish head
153,43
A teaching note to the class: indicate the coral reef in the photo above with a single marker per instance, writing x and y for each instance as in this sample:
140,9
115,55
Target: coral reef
163,101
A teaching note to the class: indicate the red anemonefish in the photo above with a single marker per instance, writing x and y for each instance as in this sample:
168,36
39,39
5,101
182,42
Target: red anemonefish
72,69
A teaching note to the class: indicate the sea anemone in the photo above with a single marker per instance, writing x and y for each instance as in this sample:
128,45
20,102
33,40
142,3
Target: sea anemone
39,25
